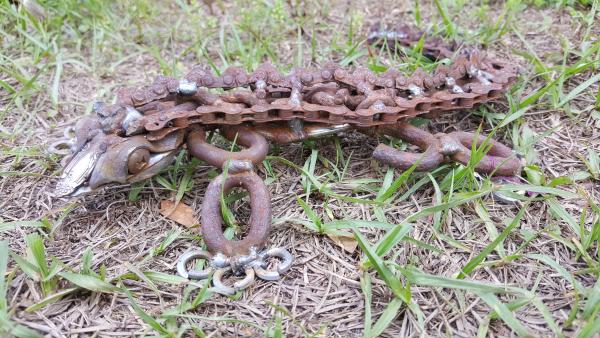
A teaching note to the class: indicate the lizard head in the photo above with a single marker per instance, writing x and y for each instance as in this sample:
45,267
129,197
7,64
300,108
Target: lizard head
102,153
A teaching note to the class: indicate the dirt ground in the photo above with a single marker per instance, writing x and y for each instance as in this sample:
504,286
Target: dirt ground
321,294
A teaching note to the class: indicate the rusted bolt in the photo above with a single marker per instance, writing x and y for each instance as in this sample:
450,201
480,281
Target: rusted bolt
228,80
139,95
207,80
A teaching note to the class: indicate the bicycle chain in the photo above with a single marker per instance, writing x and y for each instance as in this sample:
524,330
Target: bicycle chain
331,94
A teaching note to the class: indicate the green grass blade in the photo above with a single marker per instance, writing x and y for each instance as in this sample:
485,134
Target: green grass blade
161,277
489,225
153,323
590,329
35,247
592,306
88,282
537,189
51,299
579,89
318,224
367,289
474,262
389,192
29,269
547,316
6,226
389,240
355,224
3,266
386,318
443,11
505,313
416,277
560,213
382,270
15,330
559,268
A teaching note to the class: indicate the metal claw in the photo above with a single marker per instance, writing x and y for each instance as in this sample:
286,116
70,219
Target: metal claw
220,287
61,147
281,268
284,255
262,273
193,274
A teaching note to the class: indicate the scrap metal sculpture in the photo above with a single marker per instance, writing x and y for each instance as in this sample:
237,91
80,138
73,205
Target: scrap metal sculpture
139,136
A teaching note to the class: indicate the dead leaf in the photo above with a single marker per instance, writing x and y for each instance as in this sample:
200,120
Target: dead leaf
347,243
181,213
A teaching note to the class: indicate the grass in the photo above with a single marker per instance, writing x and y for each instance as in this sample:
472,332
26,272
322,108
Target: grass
433,247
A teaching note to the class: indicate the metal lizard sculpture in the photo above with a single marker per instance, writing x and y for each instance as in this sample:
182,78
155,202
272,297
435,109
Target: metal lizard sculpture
138,137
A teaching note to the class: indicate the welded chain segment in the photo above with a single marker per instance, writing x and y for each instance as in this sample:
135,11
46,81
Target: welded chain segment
430,159
260,218
358,97
256,152
499,159
331,94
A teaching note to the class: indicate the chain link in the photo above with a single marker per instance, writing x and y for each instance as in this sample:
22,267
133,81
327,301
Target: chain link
330,94
245,268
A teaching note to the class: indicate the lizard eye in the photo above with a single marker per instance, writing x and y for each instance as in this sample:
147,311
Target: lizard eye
138,160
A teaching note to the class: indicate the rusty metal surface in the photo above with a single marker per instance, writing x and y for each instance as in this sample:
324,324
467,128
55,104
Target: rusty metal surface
430,159
498,160
331,95
260,219
257,146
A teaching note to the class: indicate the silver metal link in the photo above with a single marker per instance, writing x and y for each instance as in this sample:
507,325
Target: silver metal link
250,267
194,274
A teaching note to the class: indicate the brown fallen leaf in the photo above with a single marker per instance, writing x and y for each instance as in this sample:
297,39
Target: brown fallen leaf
347,243
181,213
